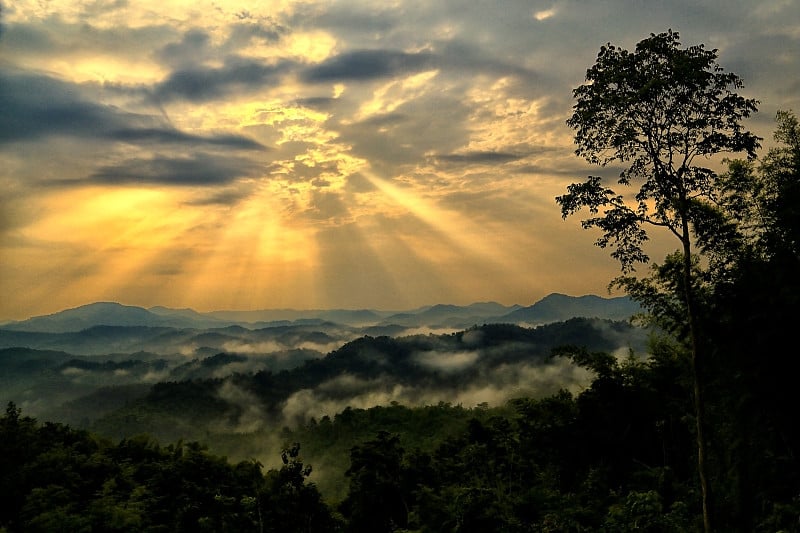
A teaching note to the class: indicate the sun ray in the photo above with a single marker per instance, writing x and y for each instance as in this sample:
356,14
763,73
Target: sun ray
104,234
451,226
477,255
257,257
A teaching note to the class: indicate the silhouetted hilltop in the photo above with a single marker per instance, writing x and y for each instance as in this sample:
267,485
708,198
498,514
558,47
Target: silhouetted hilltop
109,314
555,307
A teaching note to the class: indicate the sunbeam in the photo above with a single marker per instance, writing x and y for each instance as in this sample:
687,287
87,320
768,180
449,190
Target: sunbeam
471,256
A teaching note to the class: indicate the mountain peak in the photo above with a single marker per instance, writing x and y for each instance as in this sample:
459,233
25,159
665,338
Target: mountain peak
86,316
556,306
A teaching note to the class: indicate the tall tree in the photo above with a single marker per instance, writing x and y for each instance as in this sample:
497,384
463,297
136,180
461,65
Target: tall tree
664,112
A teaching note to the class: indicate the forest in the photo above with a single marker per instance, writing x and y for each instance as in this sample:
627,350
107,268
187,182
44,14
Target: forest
699,435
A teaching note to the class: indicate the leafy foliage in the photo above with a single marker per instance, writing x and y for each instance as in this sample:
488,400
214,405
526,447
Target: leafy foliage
662,111
55,478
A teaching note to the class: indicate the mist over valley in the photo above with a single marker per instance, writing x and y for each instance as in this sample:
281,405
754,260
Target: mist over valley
61,365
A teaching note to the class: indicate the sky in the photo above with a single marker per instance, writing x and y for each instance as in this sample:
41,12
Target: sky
321,154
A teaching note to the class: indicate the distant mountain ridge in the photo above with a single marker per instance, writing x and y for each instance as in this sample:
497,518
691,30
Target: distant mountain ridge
556,307
552,308
109,314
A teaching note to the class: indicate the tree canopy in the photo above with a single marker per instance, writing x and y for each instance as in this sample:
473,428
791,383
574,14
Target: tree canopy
661,111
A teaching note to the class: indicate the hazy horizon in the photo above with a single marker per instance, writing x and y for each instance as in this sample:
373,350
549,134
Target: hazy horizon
309,310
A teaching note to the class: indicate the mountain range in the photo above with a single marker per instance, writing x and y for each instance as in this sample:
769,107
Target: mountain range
552,308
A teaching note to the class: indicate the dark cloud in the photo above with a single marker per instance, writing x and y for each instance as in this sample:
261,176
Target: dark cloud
316,102
478,157
35,106
166,135
572,168
204,83
26,37
191,49
549,169
199,169
455,56
365,65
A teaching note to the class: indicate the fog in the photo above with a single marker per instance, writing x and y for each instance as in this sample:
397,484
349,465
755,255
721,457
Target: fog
244,379
494,388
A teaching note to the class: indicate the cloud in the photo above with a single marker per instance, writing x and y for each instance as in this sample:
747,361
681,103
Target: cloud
162,136
196,169
478,157
448,362
55,36
279,349
455,57
405,135
191,49
307,403
249,415
544,14
155,376
317,102
366,65
493,386
201,84
74,371
516,381
427,330
35,106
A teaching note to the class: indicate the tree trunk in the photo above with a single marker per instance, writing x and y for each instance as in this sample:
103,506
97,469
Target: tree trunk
699,401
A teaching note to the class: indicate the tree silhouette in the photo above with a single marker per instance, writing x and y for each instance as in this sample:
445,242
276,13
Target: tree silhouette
663,111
